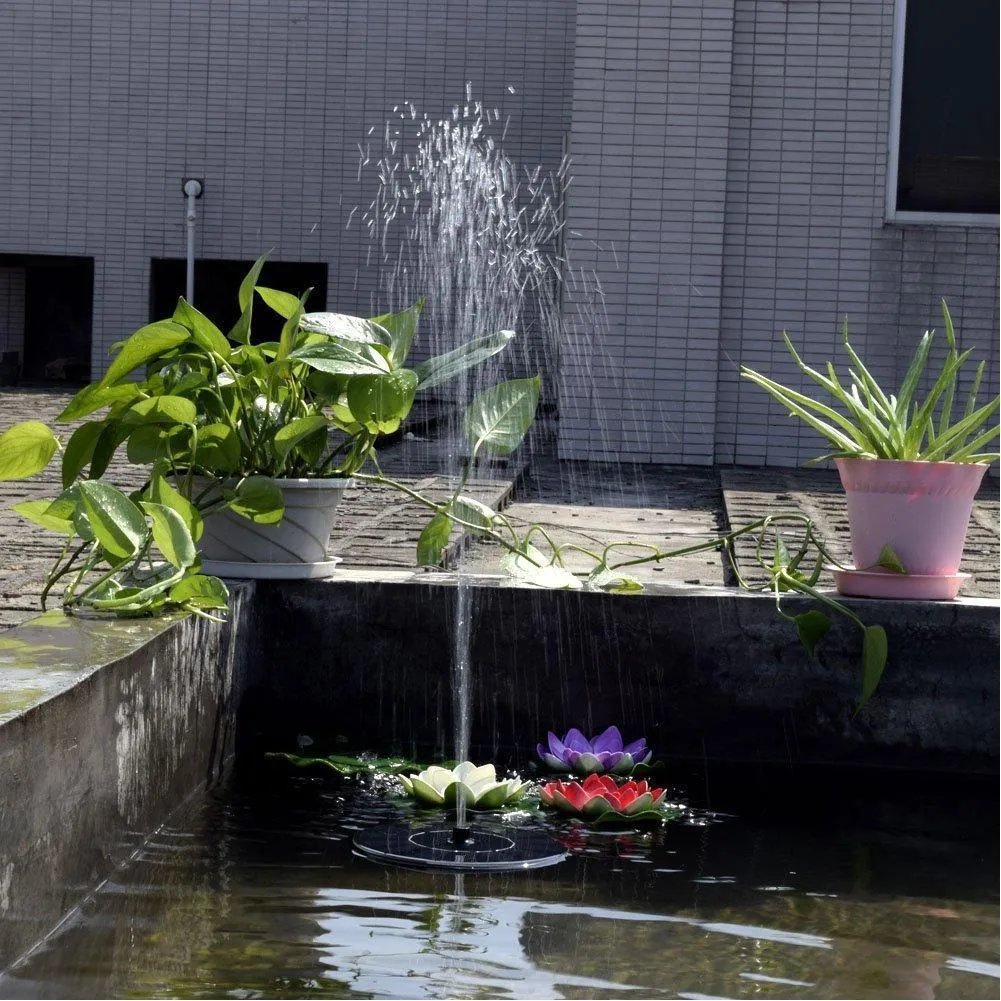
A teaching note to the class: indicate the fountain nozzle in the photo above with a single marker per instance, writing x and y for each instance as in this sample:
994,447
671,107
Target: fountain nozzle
460,835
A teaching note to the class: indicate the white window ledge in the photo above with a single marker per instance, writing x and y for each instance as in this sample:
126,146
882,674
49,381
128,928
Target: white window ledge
981,220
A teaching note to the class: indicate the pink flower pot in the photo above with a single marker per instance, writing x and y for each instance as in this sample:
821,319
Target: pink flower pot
921,509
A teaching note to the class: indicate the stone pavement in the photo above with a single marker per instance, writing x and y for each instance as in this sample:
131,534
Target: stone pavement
585,503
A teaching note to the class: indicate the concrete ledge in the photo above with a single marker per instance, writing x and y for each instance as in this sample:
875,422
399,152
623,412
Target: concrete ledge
105,727
704,673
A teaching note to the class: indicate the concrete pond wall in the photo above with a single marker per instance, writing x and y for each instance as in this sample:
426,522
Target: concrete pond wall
107,727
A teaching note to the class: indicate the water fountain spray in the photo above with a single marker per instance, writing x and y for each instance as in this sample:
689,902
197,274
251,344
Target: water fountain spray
454,220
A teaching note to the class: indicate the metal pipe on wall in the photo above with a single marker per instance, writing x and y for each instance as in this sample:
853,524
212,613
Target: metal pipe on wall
192,190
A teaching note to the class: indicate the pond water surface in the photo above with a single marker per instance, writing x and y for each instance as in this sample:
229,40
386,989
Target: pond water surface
254,892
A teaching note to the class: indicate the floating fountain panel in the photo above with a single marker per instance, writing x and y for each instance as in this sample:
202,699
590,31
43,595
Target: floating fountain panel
458,849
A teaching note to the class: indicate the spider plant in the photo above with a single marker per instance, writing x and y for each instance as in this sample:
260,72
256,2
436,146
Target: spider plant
868,423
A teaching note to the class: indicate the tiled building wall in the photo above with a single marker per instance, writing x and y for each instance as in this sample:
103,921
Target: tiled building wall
105,105
690,294
645,216
729,160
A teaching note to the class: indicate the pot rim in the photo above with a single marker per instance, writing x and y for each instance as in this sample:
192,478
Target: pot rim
911,462
317,483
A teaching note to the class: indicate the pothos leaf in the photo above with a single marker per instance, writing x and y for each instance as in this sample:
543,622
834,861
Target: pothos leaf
889,560
812,626
874,651
613,581
548,576
433,540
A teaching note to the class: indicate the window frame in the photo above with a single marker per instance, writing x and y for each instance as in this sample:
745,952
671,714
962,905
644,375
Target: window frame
893,215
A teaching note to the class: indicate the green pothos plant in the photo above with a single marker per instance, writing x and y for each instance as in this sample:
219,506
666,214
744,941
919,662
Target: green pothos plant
122,556
216,420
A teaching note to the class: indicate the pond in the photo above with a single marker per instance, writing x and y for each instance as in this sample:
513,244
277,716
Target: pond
253,892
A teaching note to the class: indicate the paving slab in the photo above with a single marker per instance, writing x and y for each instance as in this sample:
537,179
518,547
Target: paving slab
591,504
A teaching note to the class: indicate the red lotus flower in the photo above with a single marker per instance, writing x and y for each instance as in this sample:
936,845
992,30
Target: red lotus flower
600,795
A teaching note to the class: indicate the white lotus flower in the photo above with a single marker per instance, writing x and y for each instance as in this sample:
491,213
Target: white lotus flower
478,787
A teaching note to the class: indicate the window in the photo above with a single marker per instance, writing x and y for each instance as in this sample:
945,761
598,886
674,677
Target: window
943,164
217,283
46,313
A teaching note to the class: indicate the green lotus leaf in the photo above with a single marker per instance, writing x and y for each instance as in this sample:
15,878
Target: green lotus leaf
425,792
494,797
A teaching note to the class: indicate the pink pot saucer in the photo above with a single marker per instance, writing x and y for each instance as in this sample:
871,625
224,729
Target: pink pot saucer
885,584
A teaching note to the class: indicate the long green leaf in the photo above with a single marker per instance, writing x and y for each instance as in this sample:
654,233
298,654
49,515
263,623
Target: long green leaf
498,417
954,438
290,328
864,373
37,511
923,415
913,376
970,452
892,428
791,400
341,358
142,347
875,431
26,449
971,401
118,525
241,329
945,414
443,368
203,331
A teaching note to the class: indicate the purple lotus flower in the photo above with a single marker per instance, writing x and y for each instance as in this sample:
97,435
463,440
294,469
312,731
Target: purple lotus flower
605,753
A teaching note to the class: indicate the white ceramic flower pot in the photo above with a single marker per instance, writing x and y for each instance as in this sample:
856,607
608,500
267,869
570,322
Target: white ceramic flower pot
300,538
